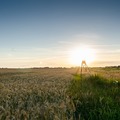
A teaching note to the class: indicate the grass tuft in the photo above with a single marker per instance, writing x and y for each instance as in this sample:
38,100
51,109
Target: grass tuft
95,97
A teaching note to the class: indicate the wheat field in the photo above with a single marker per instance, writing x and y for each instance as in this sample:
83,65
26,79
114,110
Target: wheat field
46,94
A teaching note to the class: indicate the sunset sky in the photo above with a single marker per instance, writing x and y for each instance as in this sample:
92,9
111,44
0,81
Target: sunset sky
40,33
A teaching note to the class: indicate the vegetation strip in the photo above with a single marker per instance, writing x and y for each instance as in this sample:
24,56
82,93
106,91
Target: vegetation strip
95,98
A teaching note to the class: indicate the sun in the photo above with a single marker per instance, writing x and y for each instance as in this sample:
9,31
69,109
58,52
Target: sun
82,53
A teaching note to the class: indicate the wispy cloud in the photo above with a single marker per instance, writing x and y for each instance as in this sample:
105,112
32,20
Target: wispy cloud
83,38
87,36
103,63
65,42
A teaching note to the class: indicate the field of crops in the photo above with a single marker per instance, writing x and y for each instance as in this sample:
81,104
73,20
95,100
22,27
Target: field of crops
59,94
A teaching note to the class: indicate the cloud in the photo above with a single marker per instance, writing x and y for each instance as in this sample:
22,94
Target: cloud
103,63
87,36
65,42
83,38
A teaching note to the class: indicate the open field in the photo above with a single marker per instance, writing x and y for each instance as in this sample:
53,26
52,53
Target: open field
59,94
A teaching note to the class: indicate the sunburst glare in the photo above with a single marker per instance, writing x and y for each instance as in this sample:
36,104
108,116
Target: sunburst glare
82,53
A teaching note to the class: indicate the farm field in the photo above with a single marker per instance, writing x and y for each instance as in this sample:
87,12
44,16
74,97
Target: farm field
59,94
46,50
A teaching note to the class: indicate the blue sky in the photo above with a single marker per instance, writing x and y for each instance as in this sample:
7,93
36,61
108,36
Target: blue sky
42,32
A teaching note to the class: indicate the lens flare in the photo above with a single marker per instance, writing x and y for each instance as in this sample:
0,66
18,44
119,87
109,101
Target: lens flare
82,53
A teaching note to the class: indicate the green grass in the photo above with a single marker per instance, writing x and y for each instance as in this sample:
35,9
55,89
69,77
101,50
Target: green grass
95,98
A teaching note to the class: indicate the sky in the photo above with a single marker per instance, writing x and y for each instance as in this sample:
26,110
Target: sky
40,33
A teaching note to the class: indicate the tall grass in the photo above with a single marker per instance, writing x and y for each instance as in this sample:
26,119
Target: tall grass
95,98
57,94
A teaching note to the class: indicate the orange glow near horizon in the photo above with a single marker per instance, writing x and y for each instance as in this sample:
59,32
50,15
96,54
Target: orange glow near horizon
82,53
